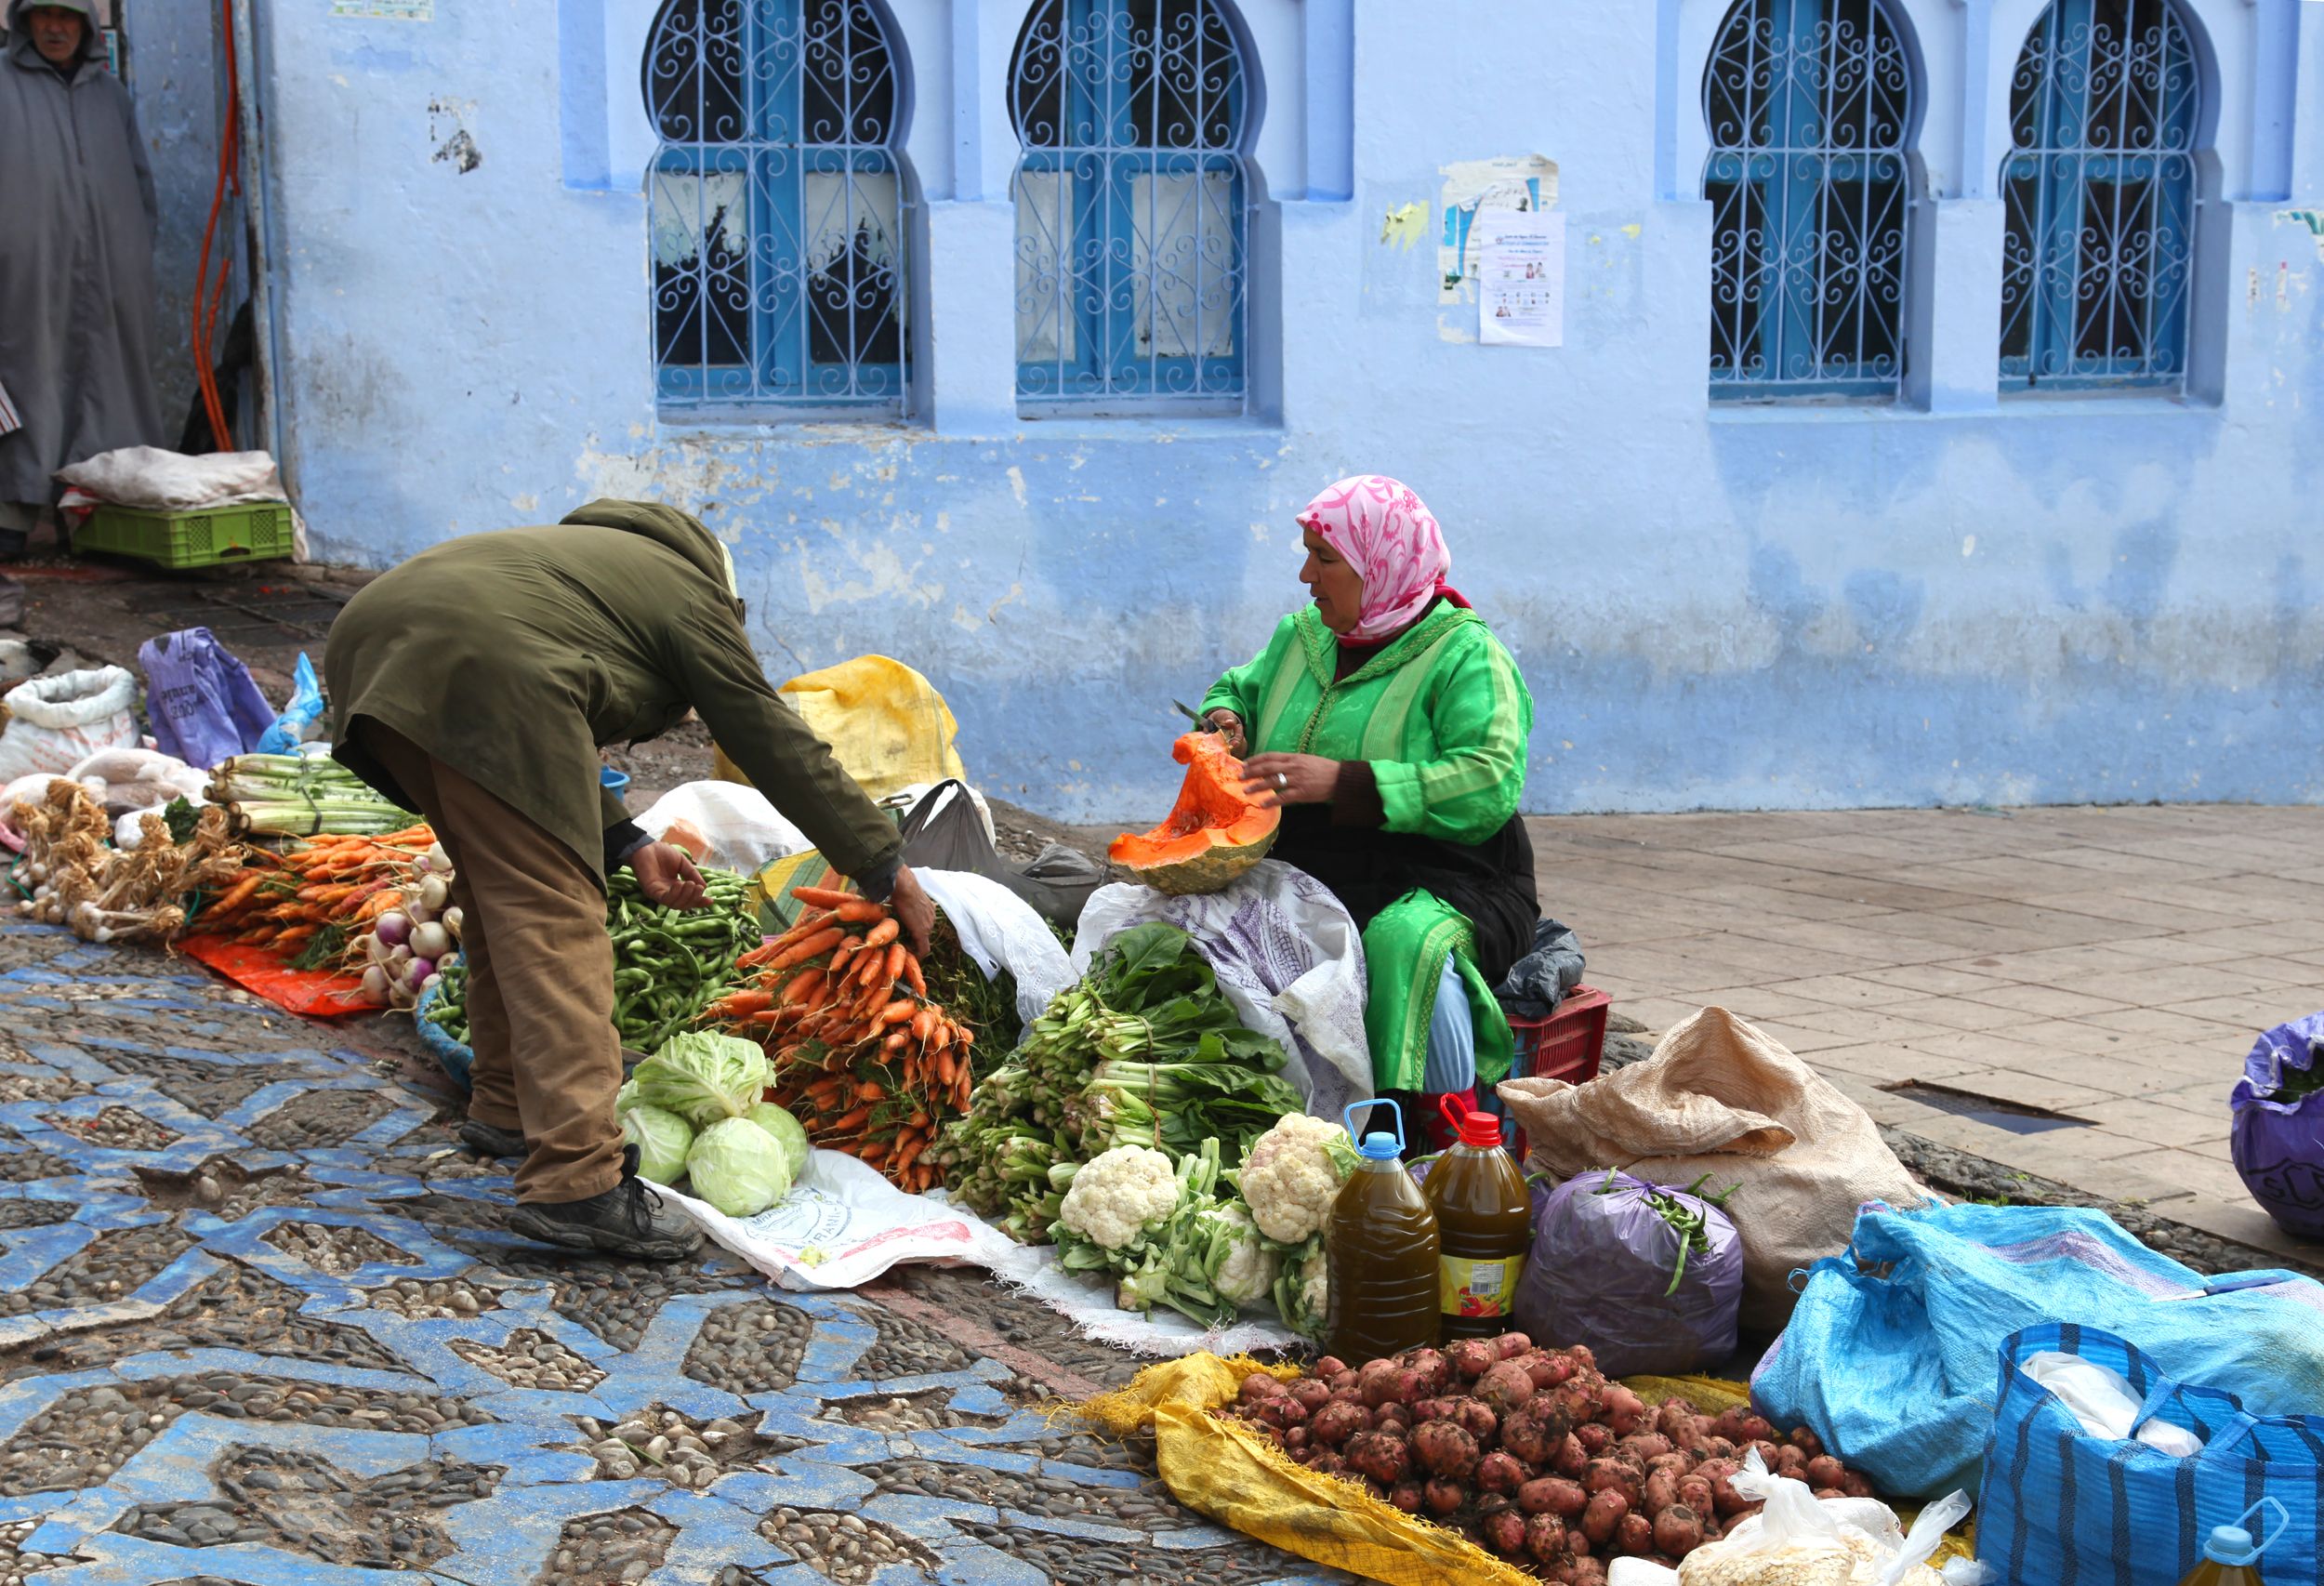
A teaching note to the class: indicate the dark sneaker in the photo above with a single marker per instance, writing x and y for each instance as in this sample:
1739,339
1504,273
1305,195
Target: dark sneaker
486,1141
626,1221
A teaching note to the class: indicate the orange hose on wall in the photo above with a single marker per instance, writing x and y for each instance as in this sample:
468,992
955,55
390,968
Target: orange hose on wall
207,299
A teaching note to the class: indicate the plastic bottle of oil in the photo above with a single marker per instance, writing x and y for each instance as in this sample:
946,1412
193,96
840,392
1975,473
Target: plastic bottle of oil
1380,1250
1483,1225
2230,1557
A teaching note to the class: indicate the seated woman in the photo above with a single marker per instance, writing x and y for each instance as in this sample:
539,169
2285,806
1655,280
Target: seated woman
1391,726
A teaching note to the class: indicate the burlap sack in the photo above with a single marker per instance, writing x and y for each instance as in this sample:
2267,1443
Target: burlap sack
1720,1098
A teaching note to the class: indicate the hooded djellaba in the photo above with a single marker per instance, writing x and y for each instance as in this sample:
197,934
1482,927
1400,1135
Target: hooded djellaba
77,264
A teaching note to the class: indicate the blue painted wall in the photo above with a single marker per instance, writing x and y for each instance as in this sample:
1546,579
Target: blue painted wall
1951,600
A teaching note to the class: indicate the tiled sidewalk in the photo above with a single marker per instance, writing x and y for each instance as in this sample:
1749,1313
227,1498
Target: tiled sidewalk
2110,964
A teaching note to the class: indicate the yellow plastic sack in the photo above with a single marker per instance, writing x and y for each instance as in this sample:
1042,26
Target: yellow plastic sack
1230,1471
886,724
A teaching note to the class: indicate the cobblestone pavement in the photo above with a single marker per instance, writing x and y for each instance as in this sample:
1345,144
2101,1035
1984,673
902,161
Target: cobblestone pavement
259,1326
2111,966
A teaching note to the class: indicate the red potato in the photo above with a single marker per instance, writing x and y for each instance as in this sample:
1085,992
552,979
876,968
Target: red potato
1588,1572
1594,1436
1573,1457
1511,1346
1500,1473
1286,1412
1437,1409
1527,1437
1660,1491
1312,1394
1805,1441
1260,1385
1430,1367
1393,1385
1478,1419
1382,1456
1505,1533
1472,1358
1857,1485
1391,1417
1441,1495
1545,1538
1602,1518
1825,1471
1555,1494
1647,1446
1678,1530
1338,1422
1636,1535
1295,1439
1343,1380
1330,1366
1407,1496
1624,1410
1506,1387
1824,1492
1446,1449
1773,1457
1330,1464
1758,1429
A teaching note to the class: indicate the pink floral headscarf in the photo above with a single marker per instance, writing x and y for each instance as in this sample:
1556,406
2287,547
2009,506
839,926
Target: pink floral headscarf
1390,536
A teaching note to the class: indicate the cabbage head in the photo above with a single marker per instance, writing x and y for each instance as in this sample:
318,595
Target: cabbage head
626,1098
661,1139
704,1078
738,1168
787,1131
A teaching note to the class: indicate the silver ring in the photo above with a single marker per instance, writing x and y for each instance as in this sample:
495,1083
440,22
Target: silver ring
1282,781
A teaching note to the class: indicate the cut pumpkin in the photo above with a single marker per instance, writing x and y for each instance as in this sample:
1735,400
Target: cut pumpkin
1213,834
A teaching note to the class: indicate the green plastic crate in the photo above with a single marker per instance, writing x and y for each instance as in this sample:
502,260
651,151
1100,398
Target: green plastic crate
254,531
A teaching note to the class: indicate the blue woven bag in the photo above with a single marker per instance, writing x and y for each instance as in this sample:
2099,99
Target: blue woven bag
455,1059
2060,1507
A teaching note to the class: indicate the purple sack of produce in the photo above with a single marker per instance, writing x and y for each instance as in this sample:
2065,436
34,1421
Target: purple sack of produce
2279,1134
1601,1275
199,695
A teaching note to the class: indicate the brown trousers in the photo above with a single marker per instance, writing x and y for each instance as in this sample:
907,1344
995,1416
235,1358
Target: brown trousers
540,966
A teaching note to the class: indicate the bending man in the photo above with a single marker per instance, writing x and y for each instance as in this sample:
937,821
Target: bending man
476,684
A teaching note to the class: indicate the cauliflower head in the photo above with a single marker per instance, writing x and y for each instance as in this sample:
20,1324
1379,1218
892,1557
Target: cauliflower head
1118,1193
1293,1174
1246,1274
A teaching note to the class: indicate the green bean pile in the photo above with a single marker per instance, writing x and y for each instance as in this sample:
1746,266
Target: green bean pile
1687,1217
668,963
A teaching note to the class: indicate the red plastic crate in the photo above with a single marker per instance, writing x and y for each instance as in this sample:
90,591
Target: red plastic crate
1565,1045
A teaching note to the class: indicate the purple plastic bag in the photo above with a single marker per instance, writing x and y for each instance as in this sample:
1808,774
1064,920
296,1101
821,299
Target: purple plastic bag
203,704
2278,1140
1600,1269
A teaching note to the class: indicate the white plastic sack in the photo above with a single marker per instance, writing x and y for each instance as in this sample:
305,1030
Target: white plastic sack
1286,953
1848,1542
744,831
135,779
54,723
998,930
159,480
2102,1400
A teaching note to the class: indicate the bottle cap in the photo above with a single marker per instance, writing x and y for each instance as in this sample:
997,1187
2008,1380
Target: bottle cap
1379,1145
1478,1128
2230,1544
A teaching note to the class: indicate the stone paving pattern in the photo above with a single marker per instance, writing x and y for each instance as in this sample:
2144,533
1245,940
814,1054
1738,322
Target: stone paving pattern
2110,964
259,1326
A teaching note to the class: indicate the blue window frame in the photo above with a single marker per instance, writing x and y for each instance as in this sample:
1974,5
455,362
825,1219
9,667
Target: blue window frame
777,204
1809,105
2098,259
1131,199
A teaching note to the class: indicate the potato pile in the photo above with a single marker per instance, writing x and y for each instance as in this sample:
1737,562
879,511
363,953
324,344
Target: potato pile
1533,1453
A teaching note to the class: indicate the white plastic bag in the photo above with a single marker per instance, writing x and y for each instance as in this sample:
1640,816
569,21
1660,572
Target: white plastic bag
998,930
744,831
1798,1540
2102,1400
54,723
1286,953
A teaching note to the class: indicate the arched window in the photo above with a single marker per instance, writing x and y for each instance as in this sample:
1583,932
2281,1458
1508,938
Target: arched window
1132,205
2099,188
777,207
1809,108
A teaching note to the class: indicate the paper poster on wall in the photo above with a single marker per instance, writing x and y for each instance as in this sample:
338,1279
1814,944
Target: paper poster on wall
387,10
1515,183
1521,278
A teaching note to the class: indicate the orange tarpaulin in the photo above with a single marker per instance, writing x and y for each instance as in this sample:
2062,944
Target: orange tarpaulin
315,993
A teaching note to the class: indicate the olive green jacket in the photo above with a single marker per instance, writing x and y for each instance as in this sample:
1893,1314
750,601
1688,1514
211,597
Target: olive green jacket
513,656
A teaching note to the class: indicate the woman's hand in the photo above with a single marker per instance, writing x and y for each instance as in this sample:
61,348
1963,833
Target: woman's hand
1275,780
914,909
1228,726
667,875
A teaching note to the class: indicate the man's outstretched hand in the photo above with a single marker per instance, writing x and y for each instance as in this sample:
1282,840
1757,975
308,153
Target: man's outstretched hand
667,875
914,909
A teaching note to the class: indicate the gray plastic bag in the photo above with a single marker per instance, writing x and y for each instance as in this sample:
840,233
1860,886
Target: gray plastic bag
1600,1275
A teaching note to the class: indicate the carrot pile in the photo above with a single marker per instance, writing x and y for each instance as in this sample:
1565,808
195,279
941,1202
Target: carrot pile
865,1062
328,887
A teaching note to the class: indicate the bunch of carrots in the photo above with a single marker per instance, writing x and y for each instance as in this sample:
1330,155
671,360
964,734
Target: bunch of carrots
862,1058
330,888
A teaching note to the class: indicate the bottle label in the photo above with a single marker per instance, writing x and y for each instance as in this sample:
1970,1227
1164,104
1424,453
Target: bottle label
1468,1287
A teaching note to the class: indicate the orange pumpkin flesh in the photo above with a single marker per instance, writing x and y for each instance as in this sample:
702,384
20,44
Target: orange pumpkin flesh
1213,834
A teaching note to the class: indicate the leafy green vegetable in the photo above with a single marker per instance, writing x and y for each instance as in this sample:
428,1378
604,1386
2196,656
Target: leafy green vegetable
704,1078
662,1139
956,983
1177,1107
738,1168
788,1132
179,816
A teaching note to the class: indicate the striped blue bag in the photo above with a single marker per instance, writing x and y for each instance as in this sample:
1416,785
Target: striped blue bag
2061,1507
